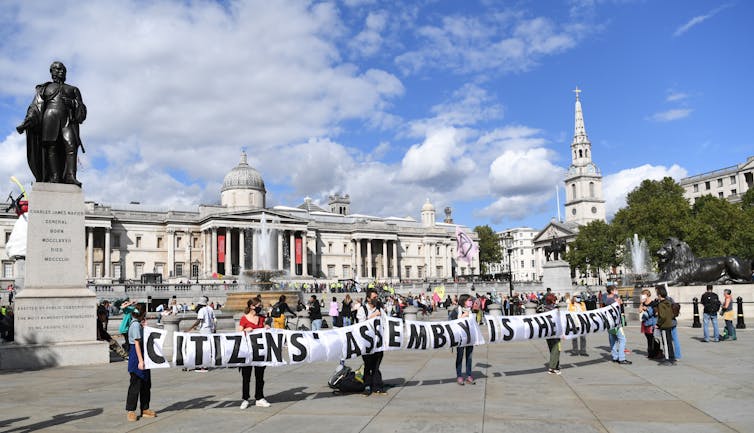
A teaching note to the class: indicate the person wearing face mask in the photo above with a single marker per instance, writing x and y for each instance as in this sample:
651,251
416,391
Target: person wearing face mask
372,308
648,311
576,305
251,321
464,310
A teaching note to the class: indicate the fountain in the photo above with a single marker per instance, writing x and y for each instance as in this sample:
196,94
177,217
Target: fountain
638,262
263,278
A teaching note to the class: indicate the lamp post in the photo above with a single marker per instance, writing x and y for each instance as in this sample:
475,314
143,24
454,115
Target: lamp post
510,275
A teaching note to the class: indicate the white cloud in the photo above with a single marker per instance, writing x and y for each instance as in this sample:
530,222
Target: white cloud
676,96
507,42
671,115
369,41
183,86
440,160
528,172
698,20
13,149
617,185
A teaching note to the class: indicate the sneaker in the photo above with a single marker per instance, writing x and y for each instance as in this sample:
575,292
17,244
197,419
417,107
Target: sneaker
367,392
201,370
470,380
625,362
666,363
244,404
460,380
584,354
262,403
554,371
147,413
131,416
550,371
381,392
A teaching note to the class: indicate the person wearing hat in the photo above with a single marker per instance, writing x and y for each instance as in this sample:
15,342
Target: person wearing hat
576,305
205,320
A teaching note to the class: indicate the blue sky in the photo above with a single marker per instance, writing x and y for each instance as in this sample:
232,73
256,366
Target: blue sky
469,104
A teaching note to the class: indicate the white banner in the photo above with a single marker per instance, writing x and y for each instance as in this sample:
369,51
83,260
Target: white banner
265,347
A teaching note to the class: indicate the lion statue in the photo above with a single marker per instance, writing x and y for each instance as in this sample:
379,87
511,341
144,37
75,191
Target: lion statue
679,266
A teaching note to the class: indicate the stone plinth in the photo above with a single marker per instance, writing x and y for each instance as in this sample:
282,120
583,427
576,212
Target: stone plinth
55,314
556,274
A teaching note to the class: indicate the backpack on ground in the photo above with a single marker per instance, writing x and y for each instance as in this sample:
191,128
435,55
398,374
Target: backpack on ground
676,307
337,377
349,380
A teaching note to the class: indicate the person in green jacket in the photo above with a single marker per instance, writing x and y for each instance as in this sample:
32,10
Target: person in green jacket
666,325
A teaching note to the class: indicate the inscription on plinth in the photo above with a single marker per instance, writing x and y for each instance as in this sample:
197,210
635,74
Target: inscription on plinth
55,244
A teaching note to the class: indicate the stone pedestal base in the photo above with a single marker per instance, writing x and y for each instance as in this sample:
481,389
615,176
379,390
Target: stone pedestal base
556,274
14,356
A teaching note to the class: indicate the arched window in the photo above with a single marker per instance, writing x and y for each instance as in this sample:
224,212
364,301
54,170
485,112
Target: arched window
586,153
591,189
574,154
580,153
573,191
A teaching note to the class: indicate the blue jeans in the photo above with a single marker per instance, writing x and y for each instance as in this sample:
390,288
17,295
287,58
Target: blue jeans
346,321
618,345
676,342
316,324
459,359
713,318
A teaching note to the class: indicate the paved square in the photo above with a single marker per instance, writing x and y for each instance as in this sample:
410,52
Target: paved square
710,390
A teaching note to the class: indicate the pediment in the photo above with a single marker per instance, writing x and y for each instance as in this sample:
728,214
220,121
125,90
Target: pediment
556,230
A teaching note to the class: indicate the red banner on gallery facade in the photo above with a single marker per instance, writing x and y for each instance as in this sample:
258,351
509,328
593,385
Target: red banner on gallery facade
298,251
221,248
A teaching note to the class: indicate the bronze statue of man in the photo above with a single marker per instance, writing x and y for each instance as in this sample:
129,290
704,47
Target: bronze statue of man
52,129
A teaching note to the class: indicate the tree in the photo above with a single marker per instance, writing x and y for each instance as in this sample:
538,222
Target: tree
655,210
712,226
747,200
489,247
742,240
596,246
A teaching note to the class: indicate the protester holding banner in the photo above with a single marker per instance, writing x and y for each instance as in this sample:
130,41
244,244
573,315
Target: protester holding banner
205,320
464,352
553,344
372,308
140,385
616,336
251,321
578,344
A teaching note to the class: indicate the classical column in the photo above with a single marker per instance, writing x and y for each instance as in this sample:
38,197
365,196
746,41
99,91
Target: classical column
106,265
280,250
304,254
357,251
292,253
213,251
449,262
384,258
427,263
255,250
228,251
395,259
205,253
315,256
90,251
241,250
171,252
369,258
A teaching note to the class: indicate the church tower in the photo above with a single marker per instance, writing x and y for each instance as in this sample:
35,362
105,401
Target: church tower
584,202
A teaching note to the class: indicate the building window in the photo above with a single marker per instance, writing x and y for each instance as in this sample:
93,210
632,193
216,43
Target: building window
733,192
331,271
179,269
532,263
345,248
116,241
419,249
195,242
138,266
719,183
696,187
7,237
720,195
138,245
178,241
159,268
591,189
522,264
97,270
116,271
7,269
329,248
407,273
159,242
573,191
707,185
195,269
347,271
438,250
420,271
733,180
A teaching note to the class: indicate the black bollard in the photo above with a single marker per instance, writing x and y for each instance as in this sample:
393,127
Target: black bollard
697,323
740,324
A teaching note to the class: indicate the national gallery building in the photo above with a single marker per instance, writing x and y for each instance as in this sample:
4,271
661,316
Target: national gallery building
127,242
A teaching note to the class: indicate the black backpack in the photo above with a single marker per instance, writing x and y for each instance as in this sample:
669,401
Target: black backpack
276,311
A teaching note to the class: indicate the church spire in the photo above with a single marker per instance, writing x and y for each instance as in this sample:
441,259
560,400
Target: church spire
579,131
